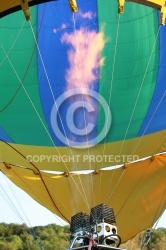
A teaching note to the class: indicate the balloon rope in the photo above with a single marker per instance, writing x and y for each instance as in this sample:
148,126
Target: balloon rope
16,38
139,92
9,102
110,93
7,199
85,198
14,208
7,56
41,202
34,167
112,75
81,83
137,100
49,83
43,124
83,105
151,118
30,100
117,184
52,93
136,183
84,195
14,95
12,189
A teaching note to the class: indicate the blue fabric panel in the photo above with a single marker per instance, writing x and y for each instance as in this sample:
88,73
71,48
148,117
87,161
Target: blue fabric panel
4,136
155,119
54,19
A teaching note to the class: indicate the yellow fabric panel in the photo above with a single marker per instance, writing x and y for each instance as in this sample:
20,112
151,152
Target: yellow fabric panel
137,192
8,4
67,159
34,185
151,3
4,5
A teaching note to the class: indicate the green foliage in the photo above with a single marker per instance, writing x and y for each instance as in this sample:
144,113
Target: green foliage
157,236
55,237
19,237
157,242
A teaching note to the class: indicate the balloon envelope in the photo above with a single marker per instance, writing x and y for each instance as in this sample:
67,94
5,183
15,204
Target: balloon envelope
82,109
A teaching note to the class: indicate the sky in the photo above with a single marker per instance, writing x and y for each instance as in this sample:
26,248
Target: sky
18,207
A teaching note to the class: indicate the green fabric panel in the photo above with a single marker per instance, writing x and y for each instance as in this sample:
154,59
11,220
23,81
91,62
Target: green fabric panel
136,37
17,115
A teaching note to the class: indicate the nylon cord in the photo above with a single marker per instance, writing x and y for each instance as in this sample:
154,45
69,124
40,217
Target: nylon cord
128,197
151,118
78,64
51,87
139,92
40,118
8,200
15,40
137,98
45,71
110,94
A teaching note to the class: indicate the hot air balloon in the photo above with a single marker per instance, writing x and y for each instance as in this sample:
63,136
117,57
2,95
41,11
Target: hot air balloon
83,106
